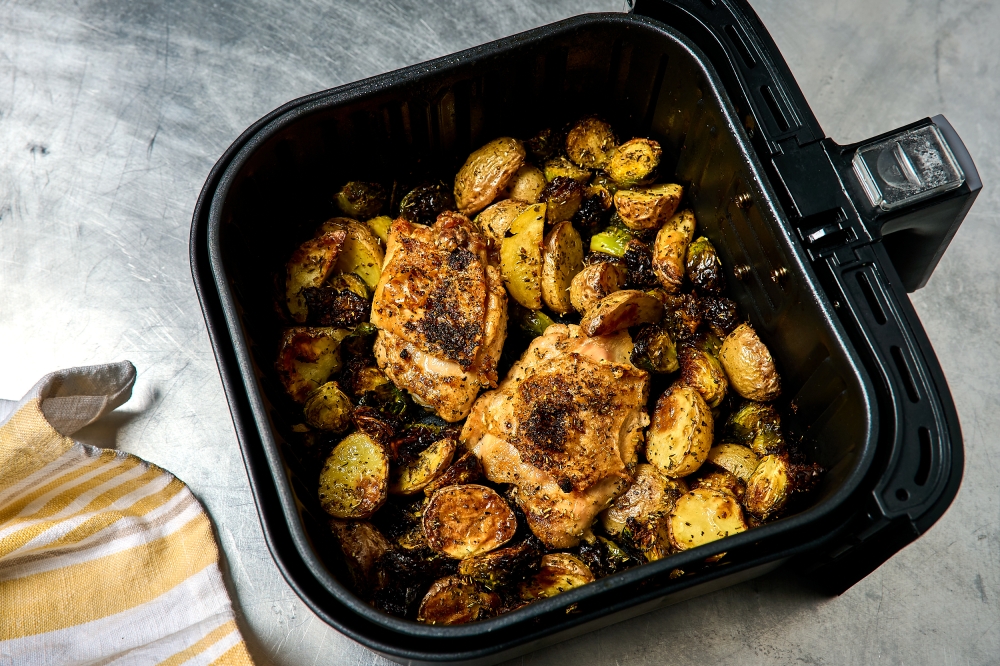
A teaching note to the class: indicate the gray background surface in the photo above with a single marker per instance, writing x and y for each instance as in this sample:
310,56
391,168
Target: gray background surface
112,113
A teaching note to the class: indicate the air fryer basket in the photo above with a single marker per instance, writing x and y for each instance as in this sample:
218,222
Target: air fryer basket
860,374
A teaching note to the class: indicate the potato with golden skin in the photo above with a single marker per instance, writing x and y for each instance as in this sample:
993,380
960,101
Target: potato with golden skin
591,143
736,459
521,257
721,480
486,172
463,521
670,250
455,600
562,260
649,493
495,220
355,478
527,184
680,436
704,515
644,208
620,310
361,252
307,357
560,572
634,162
309,266
595,282
749,365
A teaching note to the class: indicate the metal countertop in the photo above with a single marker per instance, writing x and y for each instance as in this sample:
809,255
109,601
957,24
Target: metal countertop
112,112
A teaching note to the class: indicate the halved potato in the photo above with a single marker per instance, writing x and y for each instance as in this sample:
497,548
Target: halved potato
495,220
590,143
704,515
413,477
649,493
521,257
486,172
563,259
309,266
465,470
455,600
361,253
307,357
721,480
527,184
595,282
648,207
704,372
503,565
749,366
634,162
355,478
462,521
362,545
621,310
769,487
560,573
736,459
380,227
560,166
670,250
680,436
328,408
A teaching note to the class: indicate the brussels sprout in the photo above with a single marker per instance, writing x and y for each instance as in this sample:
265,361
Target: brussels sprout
465,470
603,181
423,204
758,426
456,600
403,578
548,143
413,438
560,572
526,185
613,241
486,172
681,315
361,200
505,565
532,322
355,478
604,557
720,314
654,350
374,423
645,208
563,197
463,521
749,365
309,267
560,166
634,162
703,266
380,227
386,398
701,370
590,143
769,487
736,459
649,493
412,477
363,546
342,302
649,536
328,408
639,265
595,282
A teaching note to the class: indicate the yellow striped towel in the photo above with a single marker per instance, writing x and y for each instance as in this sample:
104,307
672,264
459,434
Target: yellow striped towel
104,558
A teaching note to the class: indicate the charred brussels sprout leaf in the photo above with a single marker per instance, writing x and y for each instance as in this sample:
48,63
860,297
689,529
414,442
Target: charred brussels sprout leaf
604,557
547,144
328,408
758,426
361,200
639,265
560,166
386,398
590,143
342,303
505,565
703,266
681,315
654,350
720,314
591,214
563,197
423,204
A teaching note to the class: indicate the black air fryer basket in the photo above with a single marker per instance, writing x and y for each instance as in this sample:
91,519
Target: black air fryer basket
824,242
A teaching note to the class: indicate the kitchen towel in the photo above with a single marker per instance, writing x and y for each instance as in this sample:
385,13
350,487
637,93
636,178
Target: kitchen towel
104,558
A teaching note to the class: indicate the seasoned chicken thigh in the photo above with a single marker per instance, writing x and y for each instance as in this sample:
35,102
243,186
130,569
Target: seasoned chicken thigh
563,428
441,311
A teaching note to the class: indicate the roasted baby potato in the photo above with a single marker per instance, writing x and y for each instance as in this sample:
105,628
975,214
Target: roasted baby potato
495,220
521,257
736,459
309,267
527,184
307,357
562,260
634,162
361,200
680,436
758,426
362,545
649,207
612,241
595,282
560,572
768,487
463,471
721,480
701,370
355,478
503,565
413,476
749,366
562,197
704,268
704,515
425,202
455,600
720,314
380,227
361,253
670,250
654,350
462,521
328,408
590,143
620,310
560,166
486,172
650,493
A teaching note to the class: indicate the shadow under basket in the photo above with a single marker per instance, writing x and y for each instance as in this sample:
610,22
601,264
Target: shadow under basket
856,366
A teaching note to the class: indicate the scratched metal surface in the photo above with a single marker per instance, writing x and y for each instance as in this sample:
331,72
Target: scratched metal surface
112,113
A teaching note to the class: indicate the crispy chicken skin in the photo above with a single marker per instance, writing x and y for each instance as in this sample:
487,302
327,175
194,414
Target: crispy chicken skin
441,311
563,428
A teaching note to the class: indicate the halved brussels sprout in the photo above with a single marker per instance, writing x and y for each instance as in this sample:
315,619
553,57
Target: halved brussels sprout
503,565
412,477
328,408
532,322
361,253
595,282
361,200
649,536
456,600
563,197
768,487
343,302
604,557
720,314
704,515
380,227
639,265
462,521
680,436
704,268
355,478
612,241
703,371
736,459
757,425
309,267
649,207
653,350
681,314
424,203
486,172
374,423
634,162
560,572
590,143
307,357
527,184
362,545
620,310
650,493
562,260
749,366
560,166
496,219
465,470
546,144
521,257
670,250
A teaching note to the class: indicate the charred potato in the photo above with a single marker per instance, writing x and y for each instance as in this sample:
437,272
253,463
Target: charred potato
355,478
681,434
736,459
593,283
563,259
309,266
361,253
768,487
749,366
704,268
620,310
654,350
486,172
704,515
413,476
463,521
527,184
560,572
463,471
702,371
650,493
328,408
521,257
455,600
425,202
634,162
560,166
307,357
649,207
670,250
361,200
495,220
562,197
590,143
362,545
503,565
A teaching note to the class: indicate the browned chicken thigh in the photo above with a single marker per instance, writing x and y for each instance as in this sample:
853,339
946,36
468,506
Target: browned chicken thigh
563,428
441,311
